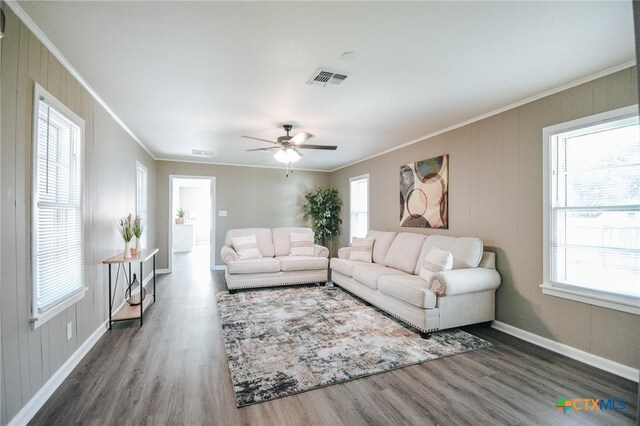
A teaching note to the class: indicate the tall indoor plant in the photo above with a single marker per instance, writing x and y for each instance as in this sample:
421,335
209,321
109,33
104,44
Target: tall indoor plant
323,207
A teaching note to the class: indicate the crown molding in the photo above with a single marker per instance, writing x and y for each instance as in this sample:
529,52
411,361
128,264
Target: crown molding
253,166
35,29
525,101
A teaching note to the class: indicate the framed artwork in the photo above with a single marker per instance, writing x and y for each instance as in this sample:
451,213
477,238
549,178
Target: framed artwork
424,193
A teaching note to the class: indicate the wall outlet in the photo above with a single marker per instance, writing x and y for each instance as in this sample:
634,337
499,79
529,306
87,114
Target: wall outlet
69,331
222,213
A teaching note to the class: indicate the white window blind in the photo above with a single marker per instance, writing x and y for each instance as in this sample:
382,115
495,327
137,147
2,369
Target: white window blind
141,199
595,207
359,206
57,207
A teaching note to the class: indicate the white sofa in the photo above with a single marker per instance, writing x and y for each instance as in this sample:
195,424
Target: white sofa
392,282
275,267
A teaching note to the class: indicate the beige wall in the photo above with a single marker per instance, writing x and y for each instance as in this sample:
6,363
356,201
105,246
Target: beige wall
495,192
31,357
252,197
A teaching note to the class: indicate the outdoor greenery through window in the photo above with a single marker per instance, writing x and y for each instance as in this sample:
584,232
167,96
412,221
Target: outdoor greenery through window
359,206
595,207
58,255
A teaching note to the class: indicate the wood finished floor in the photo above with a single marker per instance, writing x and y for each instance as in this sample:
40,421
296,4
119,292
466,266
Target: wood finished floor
174,371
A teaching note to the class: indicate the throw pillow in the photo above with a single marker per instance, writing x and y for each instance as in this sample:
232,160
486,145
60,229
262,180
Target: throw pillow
435,261
361,249
301,244
246,247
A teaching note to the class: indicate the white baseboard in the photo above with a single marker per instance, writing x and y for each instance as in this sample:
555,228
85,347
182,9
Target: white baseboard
219,267
32,407
605,364
163,271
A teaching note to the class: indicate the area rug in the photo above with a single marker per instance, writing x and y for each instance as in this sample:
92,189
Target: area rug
281,342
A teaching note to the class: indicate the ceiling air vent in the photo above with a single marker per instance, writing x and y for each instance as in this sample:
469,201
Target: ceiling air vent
326,78
201,153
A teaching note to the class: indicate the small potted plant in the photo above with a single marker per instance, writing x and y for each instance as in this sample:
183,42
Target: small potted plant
180,216
125,227
138,228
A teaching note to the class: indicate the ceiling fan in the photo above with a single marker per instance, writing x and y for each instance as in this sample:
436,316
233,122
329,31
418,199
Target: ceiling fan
287,146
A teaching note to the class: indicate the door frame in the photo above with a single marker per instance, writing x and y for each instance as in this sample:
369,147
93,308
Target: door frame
212,229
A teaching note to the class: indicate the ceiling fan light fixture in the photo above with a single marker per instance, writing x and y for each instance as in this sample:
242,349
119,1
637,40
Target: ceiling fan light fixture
286,156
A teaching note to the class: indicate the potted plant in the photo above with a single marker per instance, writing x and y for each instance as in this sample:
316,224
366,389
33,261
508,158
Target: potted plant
180,216
323,207
138,228
125,227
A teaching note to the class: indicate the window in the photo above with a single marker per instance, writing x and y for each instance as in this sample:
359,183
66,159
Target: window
57,248
592,210
141,199
359,206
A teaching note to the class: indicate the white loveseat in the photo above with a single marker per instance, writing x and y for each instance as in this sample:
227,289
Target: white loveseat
276,267
392,282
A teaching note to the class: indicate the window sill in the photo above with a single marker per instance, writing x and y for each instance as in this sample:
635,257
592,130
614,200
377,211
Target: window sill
42,318
619,303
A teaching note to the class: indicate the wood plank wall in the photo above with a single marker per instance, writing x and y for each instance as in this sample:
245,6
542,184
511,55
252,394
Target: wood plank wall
31,357
495,183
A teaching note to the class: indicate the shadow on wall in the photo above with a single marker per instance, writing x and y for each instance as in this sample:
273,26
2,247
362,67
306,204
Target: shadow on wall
508,295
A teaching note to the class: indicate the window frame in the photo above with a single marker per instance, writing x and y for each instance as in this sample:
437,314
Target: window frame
624,303
38,318
351,180
142,168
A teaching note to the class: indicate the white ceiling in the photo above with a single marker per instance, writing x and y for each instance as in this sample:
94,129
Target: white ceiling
184,75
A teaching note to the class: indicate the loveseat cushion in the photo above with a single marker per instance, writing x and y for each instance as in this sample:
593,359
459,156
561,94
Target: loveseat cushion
282,239
344,266
408,288
254,266
302,263
382,242
404,251
368,273
263,235
466,251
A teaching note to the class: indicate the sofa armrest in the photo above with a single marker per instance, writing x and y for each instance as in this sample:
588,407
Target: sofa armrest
461,281
228,254
320,251
344,252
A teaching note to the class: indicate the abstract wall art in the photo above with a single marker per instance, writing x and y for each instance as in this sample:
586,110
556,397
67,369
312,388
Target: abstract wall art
424,193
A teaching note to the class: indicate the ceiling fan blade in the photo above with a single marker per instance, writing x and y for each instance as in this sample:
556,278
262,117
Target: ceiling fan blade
300,137
258,139
325,147
262,149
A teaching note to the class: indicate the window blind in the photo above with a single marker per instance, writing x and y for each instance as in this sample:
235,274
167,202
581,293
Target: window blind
58,233
596,207
359,206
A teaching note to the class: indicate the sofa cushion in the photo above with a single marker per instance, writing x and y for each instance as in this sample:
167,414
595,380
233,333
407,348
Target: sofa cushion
408,288
263,235
466,251
282,239
382,242
301,244
344,266
435,261
254,266
404,251
246,247
361,249
302,263
368,274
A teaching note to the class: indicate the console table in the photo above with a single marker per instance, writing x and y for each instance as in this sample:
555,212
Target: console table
128,312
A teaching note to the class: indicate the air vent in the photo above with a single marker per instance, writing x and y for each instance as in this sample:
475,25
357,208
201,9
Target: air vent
326,78
201,153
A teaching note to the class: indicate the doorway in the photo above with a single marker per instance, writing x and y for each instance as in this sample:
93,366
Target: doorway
192,222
